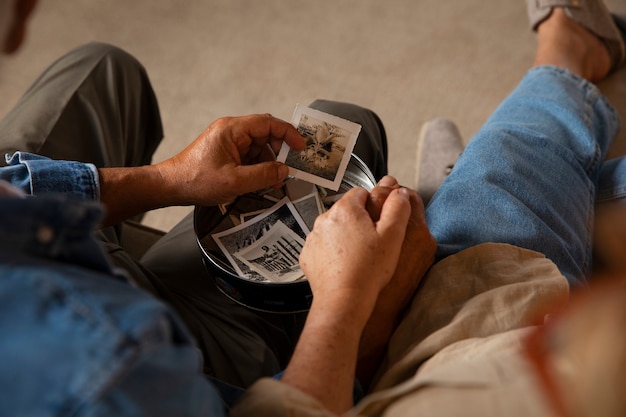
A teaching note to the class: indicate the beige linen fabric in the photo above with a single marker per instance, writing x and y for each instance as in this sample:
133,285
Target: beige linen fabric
458,350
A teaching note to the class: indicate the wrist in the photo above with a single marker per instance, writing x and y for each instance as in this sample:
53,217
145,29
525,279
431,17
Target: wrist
350,308
170,183
128,191
327,350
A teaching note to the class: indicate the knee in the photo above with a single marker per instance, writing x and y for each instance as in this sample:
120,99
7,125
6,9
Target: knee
95,53
347,111
99,48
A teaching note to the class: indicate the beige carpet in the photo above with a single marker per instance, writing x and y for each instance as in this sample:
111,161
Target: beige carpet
408,60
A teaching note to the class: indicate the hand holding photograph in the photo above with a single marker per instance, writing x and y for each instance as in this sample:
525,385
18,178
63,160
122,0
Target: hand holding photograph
263,244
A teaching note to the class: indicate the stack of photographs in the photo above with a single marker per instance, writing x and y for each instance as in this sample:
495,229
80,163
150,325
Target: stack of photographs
264,232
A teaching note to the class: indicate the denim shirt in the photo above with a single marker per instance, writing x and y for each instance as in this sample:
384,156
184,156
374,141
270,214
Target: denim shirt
77,339
35,174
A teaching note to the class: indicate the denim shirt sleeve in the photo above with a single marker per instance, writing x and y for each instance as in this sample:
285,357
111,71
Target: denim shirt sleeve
77,339
35,175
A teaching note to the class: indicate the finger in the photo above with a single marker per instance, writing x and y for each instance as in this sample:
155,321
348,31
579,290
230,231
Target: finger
418,215
379,194
249,178
394,217
388,181
259,154
376,200
264,128
355,197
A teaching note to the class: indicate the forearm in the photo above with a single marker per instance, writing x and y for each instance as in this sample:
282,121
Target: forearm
126,192
324,362
374,340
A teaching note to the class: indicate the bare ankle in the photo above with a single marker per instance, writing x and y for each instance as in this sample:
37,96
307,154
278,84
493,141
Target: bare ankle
565,44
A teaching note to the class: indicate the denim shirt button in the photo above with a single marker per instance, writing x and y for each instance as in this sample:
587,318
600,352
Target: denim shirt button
45,234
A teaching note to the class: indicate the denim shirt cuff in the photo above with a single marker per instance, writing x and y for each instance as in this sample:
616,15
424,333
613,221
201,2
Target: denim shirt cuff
35,174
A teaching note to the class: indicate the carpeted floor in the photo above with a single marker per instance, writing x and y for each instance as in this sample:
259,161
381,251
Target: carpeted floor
408,60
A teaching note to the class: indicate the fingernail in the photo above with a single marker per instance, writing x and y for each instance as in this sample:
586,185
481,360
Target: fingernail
404,192
387,181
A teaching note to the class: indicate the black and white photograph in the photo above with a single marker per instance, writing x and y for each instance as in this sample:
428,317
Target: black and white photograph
296,189
275,255
329,144
309,207
272,194
244,217
246,234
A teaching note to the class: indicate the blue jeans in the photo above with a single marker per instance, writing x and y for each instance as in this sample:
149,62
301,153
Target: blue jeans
530,176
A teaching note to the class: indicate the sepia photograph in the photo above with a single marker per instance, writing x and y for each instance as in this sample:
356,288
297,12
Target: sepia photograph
329,144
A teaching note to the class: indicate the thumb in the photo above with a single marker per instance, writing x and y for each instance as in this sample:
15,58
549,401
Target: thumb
249,178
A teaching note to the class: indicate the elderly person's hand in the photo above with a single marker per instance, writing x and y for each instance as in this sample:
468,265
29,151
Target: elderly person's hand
233,156
416,257
348,258
350,255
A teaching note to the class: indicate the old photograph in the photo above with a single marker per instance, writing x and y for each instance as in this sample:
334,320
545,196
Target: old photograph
246,234
329,144
309,207
275,255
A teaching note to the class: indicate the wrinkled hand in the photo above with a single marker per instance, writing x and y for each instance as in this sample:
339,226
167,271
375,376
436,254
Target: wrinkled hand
231,157
418,248
348,256
416,257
